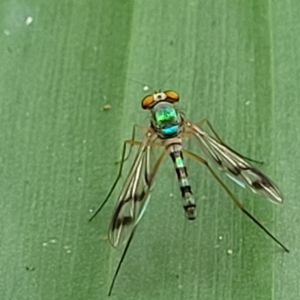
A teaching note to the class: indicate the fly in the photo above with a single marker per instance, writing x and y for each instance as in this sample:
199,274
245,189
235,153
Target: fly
167,130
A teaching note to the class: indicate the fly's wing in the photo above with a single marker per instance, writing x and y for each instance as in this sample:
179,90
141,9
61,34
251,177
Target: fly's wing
235,167
135,194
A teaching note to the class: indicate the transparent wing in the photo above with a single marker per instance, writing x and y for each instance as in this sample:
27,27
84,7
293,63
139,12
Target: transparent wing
235,167
135,195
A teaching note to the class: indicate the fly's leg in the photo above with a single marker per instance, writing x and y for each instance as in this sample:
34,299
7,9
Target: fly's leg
155,168
134,128
131,143
120,262
202,122
234,199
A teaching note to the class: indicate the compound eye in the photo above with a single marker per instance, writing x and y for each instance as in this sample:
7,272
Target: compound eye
147,101
172,96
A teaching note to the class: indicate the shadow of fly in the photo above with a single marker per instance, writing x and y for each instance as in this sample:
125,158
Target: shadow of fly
167,130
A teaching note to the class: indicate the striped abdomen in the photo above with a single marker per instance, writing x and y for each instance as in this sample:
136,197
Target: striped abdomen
188,200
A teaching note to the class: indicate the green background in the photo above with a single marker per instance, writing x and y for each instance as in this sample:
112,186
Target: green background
233,62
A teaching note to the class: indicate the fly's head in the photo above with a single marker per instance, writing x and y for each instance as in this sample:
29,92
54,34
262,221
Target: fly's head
165,119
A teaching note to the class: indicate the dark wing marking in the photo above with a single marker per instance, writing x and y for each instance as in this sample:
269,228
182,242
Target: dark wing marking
135,195
237,168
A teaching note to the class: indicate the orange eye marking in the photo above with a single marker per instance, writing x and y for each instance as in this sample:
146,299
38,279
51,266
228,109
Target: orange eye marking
172,96
147,101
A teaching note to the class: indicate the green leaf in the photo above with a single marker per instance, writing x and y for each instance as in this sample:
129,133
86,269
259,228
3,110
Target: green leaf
72,76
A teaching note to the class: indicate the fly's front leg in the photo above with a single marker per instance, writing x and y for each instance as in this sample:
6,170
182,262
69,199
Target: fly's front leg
202,122
131,143
134,128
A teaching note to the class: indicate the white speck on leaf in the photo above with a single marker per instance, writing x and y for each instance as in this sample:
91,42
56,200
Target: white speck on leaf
29,20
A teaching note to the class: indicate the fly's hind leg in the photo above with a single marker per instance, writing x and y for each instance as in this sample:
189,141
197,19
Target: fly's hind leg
234,199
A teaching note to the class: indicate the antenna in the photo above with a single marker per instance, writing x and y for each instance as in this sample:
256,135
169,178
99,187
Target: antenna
136,81
163,82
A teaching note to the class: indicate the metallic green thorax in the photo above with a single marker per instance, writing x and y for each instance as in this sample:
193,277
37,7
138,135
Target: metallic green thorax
166,118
